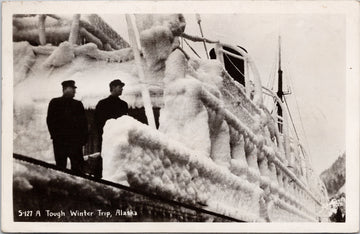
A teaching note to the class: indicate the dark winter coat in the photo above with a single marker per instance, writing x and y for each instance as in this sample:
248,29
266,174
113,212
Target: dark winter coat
111,107
66,121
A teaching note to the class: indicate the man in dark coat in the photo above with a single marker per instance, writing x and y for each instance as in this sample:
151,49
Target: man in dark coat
67,125
111,107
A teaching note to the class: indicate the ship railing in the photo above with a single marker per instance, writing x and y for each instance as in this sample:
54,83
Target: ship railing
248,63
155,163
260,163
250,66
251,186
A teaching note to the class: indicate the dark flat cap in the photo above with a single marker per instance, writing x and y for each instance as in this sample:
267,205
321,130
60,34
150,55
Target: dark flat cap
68,83
116,82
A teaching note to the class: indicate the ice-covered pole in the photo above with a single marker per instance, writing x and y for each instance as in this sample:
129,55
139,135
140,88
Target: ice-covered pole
75,29
42,34
198,19
144,91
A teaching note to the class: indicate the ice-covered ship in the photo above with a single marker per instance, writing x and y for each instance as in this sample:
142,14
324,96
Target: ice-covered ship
198,144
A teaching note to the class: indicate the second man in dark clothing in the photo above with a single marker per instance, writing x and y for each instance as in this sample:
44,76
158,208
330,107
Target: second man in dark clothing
111,107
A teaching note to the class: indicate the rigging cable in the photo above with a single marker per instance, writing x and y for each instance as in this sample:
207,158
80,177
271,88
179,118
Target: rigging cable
234,65
301,121
271,81
292,121
191,48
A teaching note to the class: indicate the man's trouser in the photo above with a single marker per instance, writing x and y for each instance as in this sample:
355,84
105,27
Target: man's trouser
63,150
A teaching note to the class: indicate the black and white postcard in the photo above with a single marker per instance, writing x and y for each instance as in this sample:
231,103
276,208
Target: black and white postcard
178,116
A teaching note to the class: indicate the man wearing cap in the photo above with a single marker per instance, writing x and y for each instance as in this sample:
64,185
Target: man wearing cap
67,125
111,107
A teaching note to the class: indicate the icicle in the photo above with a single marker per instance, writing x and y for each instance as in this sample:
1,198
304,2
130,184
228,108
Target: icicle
144,91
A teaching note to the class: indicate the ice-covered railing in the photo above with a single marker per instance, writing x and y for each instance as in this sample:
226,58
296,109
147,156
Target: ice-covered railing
256,186
147,159
249,66
253,159
248,63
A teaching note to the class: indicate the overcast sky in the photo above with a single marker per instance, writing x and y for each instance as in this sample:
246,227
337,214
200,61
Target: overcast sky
313,55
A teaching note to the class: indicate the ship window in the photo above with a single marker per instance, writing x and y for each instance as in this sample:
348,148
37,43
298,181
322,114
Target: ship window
234,66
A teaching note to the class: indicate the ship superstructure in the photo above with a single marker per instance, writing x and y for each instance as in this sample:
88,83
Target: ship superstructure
195,134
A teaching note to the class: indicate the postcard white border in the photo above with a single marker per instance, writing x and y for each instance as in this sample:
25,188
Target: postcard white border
349,8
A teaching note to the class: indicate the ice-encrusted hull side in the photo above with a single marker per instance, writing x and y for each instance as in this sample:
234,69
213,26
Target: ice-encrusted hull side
54,195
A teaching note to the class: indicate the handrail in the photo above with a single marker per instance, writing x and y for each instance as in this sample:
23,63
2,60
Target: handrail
211,101
140,138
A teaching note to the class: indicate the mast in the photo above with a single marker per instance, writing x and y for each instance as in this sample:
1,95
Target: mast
280,92
202,34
